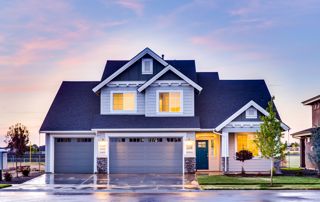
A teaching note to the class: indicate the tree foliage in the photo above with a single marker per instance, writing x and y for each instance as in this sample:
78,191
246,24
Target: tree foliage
314,155
268,140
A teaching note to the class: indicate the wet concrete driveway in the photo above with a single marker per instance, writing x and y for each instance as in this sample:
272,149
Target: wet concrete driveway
113,183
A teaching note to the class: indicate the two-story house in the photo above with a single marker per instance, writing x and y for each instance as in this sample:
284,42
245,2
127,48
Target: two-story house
305,135
151,115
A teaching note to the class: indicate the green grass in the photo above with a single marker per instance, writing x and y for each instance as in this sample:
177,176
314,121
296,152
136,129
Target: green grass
4,185
291,169
261,187
228,180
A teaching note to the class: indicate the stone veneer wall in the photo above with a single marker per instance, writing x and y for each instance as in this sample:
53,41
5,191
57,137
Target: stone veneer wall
189,164
102,165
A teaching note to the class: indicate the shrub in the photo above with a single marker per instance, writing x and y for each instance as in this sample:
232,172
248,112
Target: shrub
242,156
7,177
26,172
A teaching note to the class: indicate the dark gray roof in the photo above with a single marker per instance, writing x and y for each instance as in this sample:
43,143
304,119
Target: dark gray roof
220,99
305,132
76,107
187,67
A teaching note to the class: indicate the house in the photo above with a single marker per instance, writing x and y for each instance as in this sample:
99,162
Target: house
305,135
151,115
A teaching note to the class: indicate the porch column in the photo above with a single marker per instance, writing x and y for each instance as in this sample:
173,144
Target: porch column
225,151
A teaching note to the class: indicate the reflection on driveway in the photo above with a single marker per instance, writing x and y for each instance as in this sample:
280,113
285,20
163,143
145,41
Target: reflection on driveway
113,182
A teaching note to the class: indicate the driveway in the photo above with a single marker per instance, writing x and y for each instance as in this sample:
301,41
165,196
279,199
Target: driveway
113,183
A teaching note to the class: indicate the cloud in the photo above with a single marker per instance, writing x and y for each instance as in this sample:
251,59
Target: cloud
134,5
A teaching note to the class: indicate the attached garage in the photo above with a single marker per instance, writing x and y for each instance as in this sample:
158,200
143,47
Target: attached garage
146,155
73,155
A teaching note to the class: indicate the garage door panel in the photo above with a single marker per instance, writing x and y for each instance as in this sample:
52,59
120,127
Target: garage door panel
73,156
145,157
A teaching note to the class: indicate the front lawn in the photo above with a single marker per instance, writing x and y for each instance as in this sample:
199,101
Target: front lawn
4,185
280,182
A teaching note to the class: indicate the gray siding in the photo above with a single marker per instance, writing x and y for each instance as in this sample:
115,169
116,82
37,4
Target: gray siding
151,100
105,99
259,164
242,117
47,167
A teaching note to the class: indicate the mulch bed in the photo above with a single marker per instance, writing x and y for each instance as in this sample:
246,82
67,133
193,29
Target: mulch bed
21,179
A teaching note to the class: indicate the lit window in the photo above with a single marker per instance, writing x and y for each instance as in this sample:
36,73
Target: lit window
123,101
246,142
170,102
147,66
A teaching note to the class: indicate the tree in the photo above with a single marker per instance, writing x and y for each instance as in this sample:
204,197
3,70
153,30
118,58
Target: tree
17,139
268,140
314,155
242,156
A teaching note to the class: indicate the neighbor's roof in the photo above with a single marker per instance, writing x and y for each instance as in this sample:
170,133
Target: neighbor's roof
306,132
76,107
311,100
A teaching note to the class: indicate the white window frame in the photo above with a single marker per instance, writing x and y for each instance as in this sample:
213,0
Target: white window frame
169,91
123,111
255,114
144,68
236,146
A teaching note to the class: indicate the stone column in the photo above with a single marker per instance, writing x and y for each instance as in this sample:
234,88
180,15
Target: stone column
102,165
189,165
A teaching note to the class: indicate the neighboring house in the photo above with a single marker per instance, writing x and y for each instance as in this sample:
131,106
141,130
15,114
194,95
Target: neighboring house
304,135
150,115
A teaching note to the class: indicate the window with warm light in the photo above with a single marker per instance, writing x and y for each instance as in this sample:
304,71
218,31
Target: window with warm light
123,101
246,142
170,102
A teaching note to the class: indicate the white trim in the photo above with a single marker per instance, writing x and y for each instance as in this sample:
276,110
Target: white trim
143,70
148,129
95,153
174,70
125,83
52,139
128,64
66,131
244,124
112,111
311,100
169,113
244,108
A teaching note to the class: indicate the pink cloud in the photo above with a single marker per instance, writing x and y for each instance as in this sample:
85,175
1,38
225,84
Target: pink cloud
134,5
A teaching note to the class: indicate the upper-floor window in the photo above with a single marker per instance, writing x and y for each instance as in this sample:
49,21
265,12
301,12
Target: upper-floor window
123,101
169,101
251,113
147,66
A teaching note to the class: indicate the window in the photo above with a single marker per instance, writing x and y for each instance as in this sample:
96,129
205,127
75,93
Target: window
147,66
136,139
245,142
170,102
84,140
251,113
173,139
63,139
123,101
155,140
117,139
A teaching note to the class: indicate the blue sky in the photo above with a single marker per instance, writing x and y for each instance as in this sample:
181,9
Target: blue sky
45,42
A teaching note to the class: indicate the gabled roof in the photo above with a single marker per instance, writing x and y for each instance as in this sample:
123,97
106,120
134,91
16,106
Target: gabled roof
311,100
128,64
174,70
243,109
306,132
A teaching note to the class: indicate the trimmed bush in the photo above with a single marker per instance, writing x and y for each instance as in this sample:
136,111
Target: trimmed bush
7,177
26,172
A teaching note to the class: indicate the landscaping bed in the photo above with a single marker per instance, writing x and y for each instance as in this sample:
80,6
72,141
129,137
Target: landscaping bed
243,183
20,179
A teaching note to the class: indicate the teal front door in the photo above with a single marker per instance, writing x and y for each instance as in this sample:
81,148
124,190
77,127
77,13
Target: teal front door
202,154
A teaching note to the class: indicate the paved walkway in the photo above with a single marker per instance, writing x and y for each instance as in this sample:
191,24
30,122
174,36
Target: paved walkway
113,183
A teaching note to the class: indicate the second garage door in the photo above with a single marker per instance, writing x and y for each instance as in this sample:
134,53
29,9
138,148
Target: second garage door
146,155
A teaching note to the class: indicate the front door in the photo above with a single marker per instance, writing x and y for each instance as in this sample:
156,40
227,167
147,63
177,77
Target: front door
202,154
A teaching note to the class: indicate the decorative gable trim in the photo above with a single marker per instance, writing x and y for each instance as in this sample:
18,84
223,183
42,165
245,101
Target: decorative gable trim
128,64
174,70
243,109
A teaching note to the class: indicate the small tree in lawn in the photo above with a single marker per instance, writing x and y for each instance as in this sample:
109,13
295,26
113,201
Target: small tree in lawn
314,155
268,140
242,156
17,139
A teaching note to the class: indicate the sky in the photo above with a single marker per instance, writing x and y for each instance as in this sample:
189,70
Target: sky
43,43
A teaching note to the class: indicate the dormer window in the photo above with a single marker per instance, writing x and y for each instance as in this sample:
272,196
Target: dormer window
147,66
251,113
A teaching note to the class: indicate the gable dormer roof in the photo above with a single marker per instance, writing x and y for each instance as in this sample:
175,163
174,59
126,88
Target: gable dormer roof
165,70
128,64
